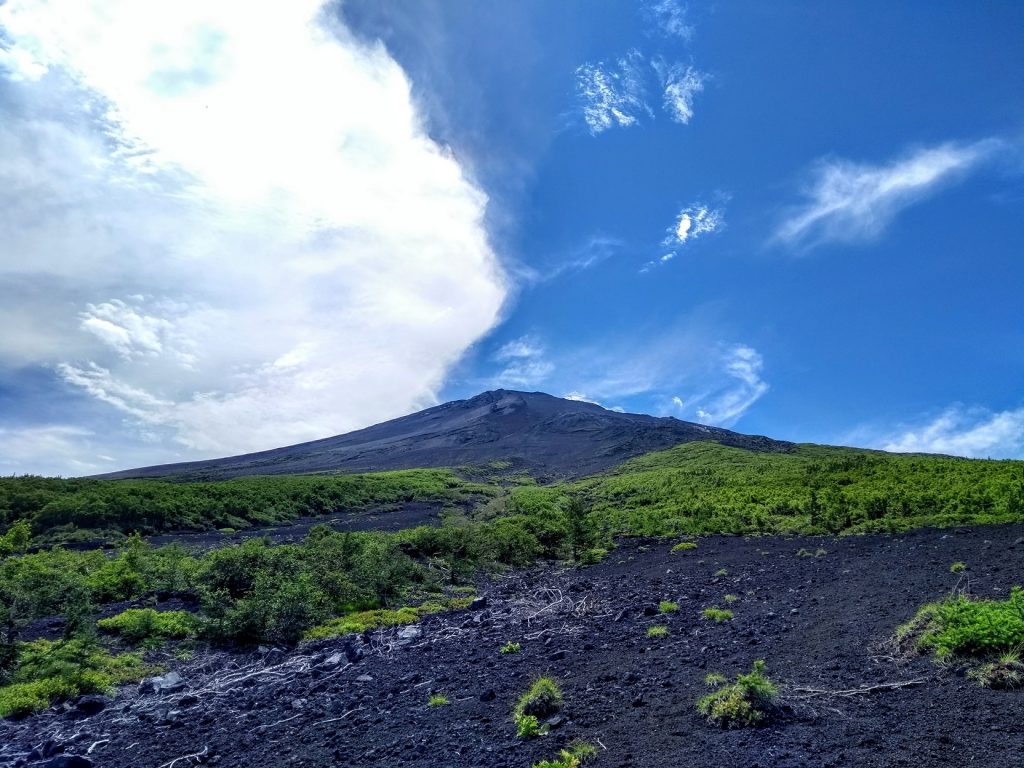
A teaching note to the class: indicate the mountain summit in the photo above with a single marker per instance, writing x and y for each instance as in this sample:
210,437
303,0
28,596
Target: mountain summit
546,435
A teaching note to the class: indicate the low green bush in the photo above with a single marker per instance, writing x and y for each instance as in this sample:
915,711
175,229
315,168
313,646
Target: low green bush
748,701
667,606
49,671
965,626
511,647
684,546
657,630
543,699
958,567
573,757
138,625
437,700
527,726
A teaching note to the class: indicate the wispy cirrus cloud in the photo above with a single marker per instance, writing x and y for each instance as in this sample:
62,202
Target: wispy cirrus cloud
744,365
613,94
693,221
670,18
524,362
848,202
680,84
960,431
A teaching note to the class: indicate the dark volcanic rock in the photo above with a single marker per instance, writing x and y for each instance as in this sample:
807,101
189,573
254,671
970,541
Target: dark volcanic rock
534,431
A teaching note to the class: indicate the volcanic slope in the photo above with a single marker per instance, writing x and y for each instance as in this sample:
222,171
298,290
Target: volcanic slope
532,431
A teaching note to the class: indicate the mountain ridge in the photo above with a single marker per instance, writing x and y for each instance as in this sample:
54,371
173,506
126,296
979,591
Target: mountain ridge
534,431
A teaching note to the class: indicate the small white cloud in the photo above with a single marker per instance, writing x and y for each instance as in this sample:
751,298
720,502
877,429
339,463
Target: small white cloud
958,431
743,364
580,397
681,85
613,95
525,364
695,221
849,201
677,401
670,17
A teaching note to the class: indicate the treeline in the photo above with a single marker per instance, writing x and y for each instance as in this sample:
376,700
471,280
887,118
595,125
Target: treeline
60,507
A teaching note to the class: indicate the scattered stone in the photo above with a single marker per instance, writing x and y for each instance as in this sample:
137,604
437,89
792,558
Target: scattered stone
188,700
172,682
556,656
364,679
488,695
90,705
69,761
556,721
334,660
274,656
478,604
409,633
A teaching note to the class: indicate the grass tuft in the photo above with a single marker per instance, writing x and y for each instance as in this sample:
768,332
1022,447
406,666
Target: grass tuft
657,630
717,615
748,701
667,606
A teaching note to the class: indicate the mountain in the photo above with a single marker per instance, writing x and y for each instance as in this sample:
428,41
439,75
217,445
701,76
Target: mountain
545,435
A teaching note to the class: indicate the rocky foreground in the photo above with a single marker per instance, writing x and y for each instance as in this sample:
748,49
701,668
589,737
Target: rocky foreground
819,611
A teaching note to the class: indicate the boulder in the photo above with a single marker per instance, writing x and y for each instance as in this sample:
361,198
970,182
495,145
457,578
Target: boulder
172,682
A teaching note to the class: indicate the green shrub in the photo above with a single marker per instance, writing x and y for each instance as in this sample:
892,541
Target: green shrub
138,625
437,700
748,701
657,630
713,679
962,626
667,606
573,757
382,618
958,567
717,615
527,726
543,699
593,555
50,671
730,599
684,546
510,647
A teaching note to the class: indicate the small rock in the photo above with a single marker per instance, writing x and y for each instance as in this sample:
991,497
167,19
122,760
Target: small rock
621,615
557,721
409,633
334,660
478,604
556,656
364,679
488,695
69,761
274,656
188,700
90,705
650,610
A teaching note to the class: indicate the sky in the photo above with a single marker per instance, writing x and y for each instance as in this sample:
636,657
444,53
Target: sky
230,226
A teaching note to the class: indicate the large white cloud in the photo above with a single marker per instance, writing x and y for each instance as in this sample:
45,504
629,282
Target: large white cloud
959,431
227,221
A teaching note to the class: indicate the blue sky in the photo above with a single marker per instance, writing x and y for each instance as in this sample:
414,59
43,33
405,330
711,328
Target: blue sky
793,219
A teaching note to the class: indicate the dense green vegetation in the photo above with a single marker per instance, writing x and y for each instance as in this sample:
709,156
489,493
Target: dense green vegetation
337,583
964,626
67,510
699,488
